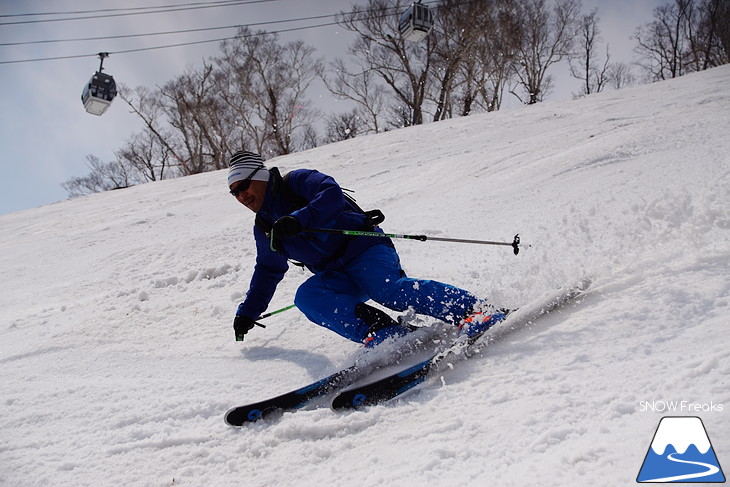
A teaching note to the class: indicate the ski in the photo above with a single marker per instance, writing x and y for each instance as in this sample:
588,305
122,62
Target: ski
292,400
399,382
298,398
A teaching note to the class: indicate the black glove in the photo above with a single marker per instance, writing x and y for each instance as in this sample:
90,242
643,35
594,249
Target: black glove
286,226
242,325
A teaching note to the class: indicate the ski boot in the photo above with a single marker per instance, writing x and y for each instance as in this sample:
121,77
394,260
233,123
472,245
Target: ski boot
381,326
480,321
378,337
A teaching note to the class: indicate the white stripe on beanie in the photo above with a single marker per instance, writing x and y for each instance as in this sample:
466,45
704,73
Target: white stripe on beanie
242,164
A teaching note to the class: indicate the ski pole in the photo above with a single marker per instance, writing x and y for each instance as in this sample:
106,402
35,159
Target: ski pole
285,308
515,244
272,313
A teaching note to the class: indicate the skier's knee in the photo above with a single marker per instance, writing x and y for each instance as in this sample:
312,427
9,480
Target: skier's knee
303,300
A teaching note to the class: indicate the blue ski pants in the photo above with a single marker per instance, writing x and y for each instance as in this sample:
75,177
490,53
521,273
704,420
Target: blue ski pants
329,298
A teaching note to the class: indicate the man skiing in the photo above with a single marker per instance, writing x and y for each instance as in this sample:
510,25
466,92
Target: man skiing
348,271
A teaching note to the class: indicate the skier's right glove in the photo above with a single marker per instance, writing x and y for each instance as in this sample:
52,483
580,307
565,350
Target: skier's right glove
242,325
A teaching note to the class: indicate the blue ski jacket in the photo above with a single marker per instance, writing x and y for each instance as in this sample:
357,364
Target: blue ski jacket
319,252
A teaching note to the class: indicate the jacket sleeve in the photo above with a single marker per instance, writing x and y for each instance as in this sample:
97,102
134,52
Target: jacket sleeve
326,200
268,272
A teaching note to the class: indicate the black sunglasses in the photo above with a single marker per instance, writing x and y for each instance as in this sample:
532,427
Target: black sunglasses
244,184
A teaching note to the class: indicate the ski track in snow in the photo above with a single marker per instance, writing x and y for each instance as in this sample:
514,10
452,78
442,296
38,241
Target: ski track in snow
117,357
711,470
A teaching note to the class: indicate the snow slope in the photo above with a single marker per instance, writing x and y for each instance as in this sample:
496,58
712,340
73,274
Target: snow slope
117,356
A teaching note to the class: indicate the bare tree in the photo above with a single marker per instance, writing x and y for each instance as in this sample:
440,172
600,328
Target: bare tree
620,75
343,126
400,116
707,25
584,65
661,43
546,37
148,105
234,80
310,138
495,62
103,176
721,23
403,66
460,24
194,112
184,116
685,36
147,155
361,88
275,78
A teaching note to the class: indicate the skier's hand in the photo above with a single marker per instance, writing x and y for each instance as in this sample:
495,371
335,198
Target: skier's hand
286,226
242,325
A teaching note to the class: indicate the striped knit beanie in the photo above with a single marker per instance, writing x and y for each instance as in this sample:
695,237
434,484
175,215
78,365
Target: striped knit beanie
242,164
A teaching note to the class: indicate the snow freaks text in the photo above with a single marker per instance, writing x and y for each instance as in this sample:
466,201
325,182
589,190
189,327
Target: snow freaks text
662,406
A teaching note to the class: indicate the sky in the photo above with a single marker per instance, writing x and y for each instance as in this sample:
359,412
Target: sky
40,101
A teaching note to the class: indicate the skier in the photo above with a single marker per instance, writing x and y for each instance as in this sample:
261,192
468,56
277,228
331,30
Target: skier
348,271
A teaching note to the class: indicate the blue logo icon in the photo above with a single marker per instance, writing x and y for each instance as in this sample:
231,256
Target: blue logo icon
681,452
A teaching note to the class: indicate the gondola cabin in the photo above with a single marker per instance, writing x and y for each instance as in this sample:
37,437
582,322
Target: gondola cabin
99,92
416,22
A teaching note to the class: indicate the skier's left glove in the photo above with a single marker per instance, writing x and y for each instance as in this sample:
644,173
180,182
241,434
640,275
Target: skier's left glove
242,325
286,226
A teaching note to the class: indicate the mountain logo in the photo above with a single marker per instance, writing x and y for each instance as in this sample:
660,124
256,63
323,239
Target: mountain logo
681,452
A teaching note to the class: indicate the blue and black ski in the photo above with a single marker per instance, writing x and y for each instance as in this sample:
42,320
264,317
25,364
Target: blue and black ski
397,383
298,398
291,400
